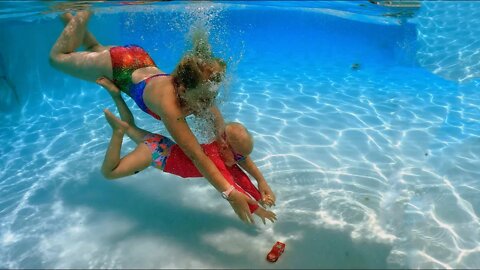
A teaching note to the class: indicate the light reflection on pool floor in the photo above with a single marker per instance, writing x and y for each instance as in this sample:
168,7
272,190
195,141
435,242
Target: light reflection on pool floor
372,168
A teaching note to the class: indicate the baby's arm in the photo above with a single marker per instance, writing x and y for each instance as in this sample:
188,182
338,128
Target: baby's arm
268,197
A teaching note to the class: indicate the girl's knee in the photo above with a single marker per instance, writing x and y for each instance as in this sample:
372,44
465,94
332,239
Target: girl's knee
95,48
54,60
60,61
108,174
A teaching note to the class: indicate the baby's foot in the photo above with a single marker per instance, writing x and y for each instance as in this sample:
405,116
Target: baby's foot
109,85
116,124
265,214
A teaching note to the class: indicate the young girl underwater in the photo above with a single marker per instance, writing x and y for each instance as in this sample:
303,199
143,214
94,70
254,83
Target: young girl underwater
164,154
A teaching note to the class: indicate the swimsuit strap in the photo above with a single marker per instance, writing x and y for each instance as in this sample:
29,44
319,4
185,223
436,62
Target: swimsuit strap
156,75
136,93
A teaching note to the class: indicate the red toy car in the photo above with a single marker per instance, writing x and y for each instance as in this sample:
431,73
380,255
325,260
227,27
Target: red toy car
276,252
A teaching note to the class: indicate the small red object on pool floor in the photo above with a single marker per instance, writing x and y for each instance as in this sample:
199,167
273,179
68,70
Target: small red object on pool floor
276,251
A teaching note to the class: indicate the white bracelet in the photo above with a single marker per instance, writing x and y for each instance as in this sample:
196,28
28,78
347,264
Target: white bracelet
227,192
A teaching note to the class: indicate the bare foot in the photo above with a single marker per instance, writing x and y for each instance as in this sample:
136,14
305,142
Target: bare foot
83,16
265,214
68,6
89,42
109,85
116,124
66,17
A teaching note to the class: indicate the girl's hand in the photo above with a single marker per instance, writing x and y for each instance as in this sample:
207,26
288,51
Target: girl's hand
109,85
239,203
268,197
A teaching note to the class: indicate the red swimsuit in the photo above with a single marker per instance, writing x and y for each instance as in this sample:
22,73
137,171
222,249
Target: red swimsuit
170,158
179,164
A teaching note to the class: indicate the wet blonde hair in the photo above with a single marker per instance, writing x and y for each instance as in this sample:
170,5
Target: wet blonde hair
195,77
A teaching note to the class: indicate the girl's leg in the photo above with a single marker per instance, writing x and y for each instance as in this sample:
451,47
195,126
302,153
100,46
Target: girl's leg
135,133
115,167
89,41
85,65
73,33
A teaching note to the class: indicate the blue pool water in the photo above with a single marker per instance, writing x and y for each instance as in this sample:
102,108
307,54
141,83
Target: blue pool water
375,167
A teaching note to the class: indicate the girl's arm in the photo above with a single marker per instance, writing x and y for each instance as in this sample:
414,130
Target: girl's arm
268,197
167,108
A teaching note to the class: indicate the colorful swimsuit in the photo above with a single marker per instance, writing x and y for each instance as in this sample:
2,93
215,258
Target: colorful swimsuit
160,147
170,158
136,93
125,60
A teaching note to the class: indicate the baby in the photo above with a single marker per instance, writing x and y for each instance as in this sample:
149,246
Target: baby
164,154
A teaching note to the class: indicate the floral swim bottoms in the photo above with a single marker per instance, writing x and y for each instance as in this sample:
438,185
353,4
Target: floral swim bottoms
160,147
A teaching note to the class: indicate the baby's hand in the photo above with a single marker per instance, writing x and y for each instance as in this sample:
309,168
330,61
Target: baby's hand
109,85
268,197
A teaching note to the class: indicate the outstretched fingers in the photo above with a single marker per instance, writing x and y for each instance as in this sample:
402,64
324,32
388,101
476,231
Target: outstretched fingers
241,214
239,203
266,214
271,216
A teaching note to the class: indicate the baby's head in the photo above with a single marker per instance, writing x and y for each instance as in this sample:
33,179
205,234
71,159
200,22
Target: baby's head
239,141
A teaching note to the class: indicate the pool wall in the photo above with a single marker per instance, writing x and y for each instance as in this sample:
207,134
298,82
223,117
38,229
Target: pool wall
273,38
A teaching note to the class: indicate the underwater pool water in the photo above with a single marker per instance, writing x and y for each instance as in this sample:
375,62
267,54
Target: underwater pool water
365,120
